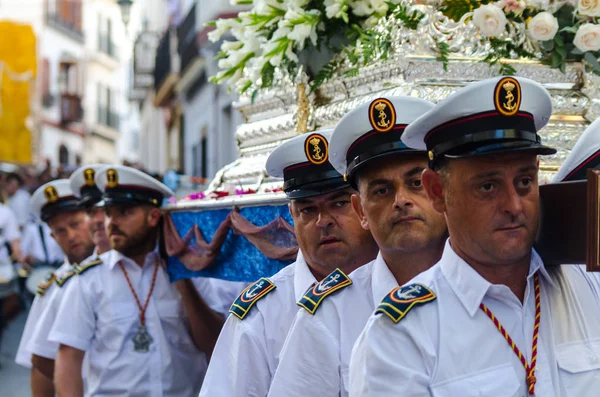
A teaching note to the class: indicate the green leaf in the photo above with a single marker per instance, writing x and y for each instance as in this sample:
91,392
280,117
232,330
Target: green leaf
563,67
253,96
547,45
245,87
592,60
210,23
351,73
559,41
267,75
576,51
556,60
569,29
561,52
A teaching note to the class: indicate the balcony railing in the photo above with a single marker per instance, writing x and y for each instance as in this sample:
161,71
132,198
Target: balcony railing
107,46
70,108
108,118
186,35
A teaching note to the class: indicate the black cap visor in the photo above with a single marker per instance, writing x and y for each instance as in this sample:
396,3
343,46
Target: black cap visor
65,204
317,188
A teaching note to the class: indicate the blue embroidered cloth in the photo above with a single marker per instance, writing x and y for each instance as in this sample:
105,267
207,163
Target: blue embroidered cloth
238,260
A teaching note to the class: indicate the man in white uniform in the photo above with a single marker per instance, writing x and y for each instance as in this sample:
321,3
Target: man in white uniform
329,235
141,334
18,198
410,234
489,319
84,187
56,205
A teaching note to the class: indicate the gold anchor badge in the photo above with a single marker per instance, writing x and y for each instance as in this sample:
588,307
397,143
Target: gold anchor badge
316,149
89,175
507,96
51,194
112,178
382,115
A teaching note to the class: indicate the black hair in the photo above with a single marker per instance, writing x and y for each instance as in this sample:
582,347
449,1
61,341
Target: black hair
13,176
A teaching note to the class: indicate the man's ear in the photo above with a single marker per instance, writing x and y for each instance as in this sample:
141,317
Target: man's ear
357,206
434,186
154,217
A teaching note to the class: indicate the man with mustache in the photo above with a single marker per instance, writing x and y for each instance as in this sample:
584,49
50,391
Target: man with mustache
141,334
56,205
329,235
393,205
84,187
489,319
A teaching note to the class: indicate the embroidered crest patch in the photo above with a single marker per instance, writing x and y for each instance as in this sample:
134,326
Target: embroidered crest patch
45,284
507,96
399,302
316,149
382,115
51,194
316,293
112,178
252,294
89,265
88,175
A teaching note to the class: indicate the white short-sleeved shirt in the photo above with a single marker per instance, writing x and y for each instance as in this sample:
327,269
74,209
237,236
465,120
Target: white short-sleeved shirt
19,203
450,347
247,352
315,359
98,314
9,231
32,244
39,343
40,303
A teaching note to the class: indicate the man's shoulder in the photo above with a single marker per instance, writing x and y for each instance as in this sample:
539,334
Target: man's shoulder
414,301
259,294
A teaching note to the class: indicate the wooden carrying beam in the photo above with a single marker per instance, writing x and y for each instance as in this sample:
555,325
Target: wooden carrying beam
593,221
562,231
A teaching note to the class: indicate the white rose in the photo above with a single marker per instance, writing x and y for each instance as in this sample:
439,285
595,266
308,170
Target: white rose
490,20
589,7
587,37
543,26
538,4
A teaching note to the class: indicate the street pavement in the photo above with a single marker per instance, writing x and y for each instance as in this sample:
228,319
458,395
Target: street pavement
14,379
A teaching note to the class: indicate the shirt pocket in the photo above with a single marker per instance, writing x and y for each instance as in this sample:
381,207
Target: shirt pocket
500,381
174,324
579,367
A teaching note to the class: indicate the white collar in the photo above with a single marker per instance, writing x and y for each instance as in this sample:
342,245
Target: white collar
382,280
115,257
470,286
303,277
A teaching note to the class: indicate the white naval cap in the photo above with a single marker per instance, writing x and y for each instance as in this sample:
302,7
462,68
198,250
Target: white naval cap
501,114
125,185
53,198
83,184
372,130
303,164
585,155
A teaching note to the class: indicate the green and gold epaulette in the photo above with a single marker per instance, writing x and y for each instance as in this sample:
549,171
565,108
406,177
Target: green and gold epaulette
45,284
315,294
60,281
399,302
252,294
89,265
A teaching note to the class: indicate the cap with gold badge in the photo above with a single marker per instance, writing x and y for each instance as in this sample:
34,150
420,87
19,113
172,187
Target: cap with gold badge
122,185
497,115
83,184
303,164
373,130
585,155
54,198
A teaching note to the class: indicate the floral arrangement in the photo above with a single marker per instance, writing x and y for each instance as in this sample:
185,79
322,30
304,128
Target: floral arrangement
275,35
558,31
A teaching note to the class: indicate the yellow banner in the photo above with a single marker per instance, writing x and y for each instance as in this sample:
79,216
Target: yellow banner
17,82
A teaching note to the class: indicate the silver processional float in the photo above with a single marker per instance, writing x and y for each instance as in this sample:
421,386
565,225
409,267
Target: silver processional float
300,66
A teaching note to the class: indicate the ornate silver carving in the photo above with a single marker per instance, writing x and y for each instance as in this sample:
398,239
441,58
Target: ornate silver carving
412,70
